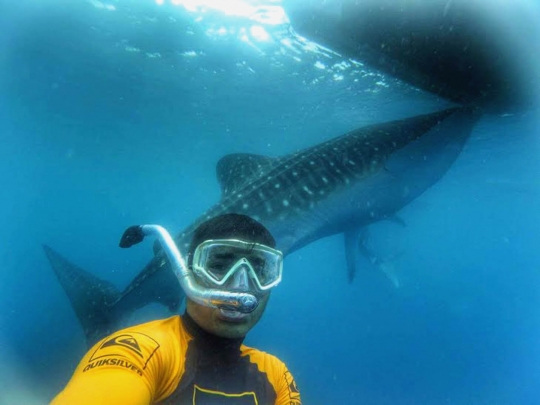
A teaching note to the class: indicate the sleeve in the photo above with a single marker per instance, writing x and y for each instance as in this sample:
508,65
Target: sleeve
287,392
135,366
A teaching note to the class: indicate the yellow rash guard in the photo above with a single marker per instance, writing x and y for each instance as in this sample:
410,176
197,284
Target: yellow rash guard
174,362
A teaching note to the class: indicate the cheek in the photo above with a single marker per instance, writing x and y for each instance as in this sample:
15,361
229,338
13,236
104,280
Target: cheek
200,313
260,309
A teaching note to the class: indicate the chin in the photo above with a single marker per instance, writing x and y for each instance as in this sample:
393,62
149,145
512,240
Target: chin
234,335
233,329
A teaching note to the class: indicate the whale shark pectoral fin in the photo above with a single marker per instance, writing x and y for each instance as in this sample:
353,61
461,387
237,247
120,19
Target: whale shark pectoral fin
91,298
351,238
387,266
362,247
356,241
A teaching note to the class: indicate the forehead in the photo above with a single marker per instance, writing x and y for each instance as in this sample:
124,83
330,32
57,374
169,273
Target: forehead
236,247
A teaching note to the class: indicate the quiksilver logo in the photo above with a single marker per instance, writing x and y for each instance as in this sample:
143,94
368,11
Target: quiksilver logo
126,341
113,362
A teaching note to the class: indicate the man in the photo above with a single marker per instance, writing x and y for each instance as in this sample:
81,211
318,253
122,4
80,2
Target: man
197,358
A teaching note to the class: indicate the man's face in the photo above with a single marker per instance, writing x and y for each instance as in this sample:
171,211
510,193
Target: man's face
237,265
228,324
224,323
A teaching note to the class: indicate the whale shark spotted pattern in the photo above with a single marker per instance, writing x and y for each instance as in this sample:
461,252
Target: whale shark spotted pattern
339,186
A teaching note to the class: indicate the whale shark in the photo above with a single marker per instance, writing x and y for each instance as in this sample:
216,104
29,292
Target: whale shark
340,186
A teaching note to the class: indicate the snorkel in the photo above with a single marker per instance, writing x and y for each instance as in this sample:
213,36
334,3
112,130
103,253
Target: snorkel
228,300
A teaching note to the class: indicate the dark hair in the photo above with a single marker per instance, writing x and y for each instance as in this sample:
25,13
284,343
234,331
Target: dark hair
230,226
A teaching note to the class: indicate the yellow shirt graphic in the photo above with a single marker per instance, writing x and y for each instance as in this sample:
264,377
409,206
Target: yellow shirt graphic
174,362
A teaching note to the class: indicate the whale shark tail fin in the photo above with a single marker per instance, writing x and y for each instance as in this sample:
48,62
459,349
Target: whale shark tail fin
90,297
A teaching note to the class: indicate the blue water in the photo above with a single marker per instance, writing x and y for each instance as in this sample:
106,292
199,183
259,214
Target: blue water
114,114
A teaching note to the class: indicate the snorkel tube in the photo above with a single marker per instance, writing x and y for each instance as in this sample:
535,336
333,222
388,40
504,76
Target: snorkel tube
233,301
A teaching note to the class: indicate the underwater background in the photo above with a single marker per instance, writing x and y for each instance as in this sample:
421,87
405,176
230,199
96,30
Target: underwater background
116,113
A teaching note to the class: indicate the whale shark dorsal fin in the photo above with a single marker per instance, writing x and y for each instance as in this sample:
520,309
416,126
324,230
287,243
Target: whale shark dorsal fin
235,170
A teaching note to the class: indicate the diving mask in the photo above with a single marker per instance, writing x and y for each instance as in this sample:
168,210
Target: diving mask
239,301
223,262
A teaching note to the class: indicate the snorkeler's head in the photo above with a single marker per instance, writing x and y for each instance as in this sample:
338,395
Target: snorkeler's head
235,253
230,226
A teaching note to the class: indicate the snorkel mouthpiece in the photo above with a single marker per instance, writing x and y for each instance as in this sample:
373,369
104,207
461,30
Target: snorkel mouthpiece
246,301
234,301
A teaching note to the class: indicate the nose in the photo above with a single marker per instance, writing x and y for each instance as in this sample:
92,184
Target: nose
240,279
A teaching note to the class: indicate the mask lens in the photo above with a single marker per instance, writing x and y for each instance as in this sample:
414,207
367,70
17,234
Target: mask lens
219,259
265,267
